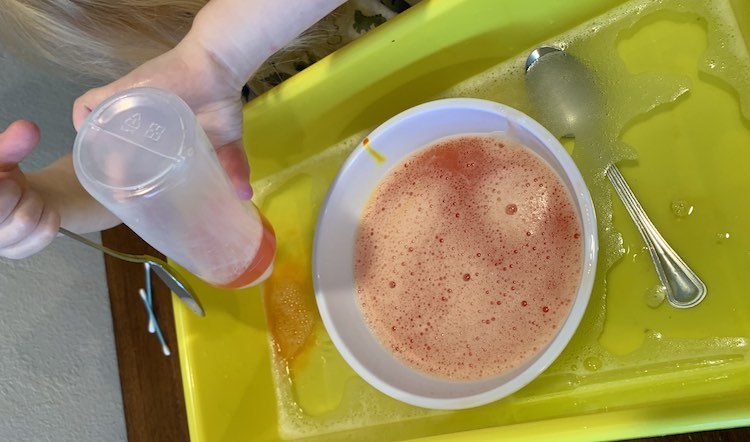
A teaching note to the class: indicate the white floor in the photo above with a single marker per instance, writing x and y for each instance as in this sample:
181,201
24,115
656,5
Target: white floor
58,367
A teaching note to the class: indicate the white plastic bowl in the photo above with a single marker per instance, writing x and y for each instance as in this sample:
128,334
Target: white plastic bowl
333,250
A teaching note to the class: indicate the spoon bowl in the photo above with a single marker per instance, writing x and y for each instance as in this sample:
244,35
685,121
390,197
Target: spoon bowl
565,92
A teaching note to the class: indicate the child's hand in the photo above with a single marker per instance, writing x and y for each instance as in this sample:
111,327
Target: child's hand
228,41
27,223
211,93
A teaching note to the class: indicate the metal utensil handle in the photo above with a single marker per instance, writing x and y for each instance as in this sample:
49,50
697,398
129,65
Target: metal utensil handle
161,268
140,259
684,288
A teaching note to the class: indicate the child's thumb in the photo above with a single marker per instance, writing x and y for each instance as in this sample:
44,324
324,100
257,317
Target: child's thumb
16,143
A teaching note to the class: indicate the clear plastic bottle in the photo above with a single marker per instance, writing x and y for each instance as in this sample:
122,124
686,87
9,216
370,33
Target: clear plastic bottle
142,154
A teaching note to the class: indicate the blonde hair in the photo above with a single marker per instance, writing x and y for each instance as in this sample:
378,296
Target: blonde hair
97,38
105,39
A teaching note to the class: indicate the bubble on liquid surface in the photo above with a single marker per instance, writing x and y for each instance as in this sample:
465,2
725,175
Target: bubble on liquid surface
681,208
722,237
655,296
592,363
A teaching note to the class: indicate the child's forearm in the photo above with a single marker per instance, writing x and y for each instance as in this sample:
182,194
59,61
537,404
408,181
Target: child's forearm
79,211
242,34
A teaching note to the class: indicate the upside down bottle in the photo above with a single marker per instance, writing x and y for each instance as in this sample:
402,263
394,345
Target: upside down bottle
142,154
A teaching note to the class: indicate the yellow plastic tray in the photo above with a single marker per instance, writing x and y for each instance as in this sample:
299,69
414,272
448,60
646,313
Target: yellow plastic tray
632,369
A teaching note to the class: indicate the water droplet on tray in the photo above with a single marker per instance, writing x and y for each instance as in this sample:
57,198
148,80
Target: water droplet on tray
682,208
592,363
655,296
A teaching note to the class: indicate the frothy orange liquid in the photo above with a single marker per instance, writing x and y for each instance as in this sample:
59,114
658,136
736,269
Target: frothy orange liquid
468,257
262,260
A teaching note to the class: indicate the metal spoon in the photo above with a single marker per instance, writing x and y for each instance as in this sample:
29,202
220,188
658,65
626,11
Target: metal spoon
164,271
573,105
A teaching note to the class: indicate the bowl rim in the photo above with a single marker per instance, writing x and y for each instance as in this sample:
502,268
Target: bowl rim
546,355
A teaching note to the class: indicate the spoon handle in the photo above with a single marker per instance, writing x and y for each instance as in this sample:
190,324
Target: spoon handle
113,253
164,271
684,288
